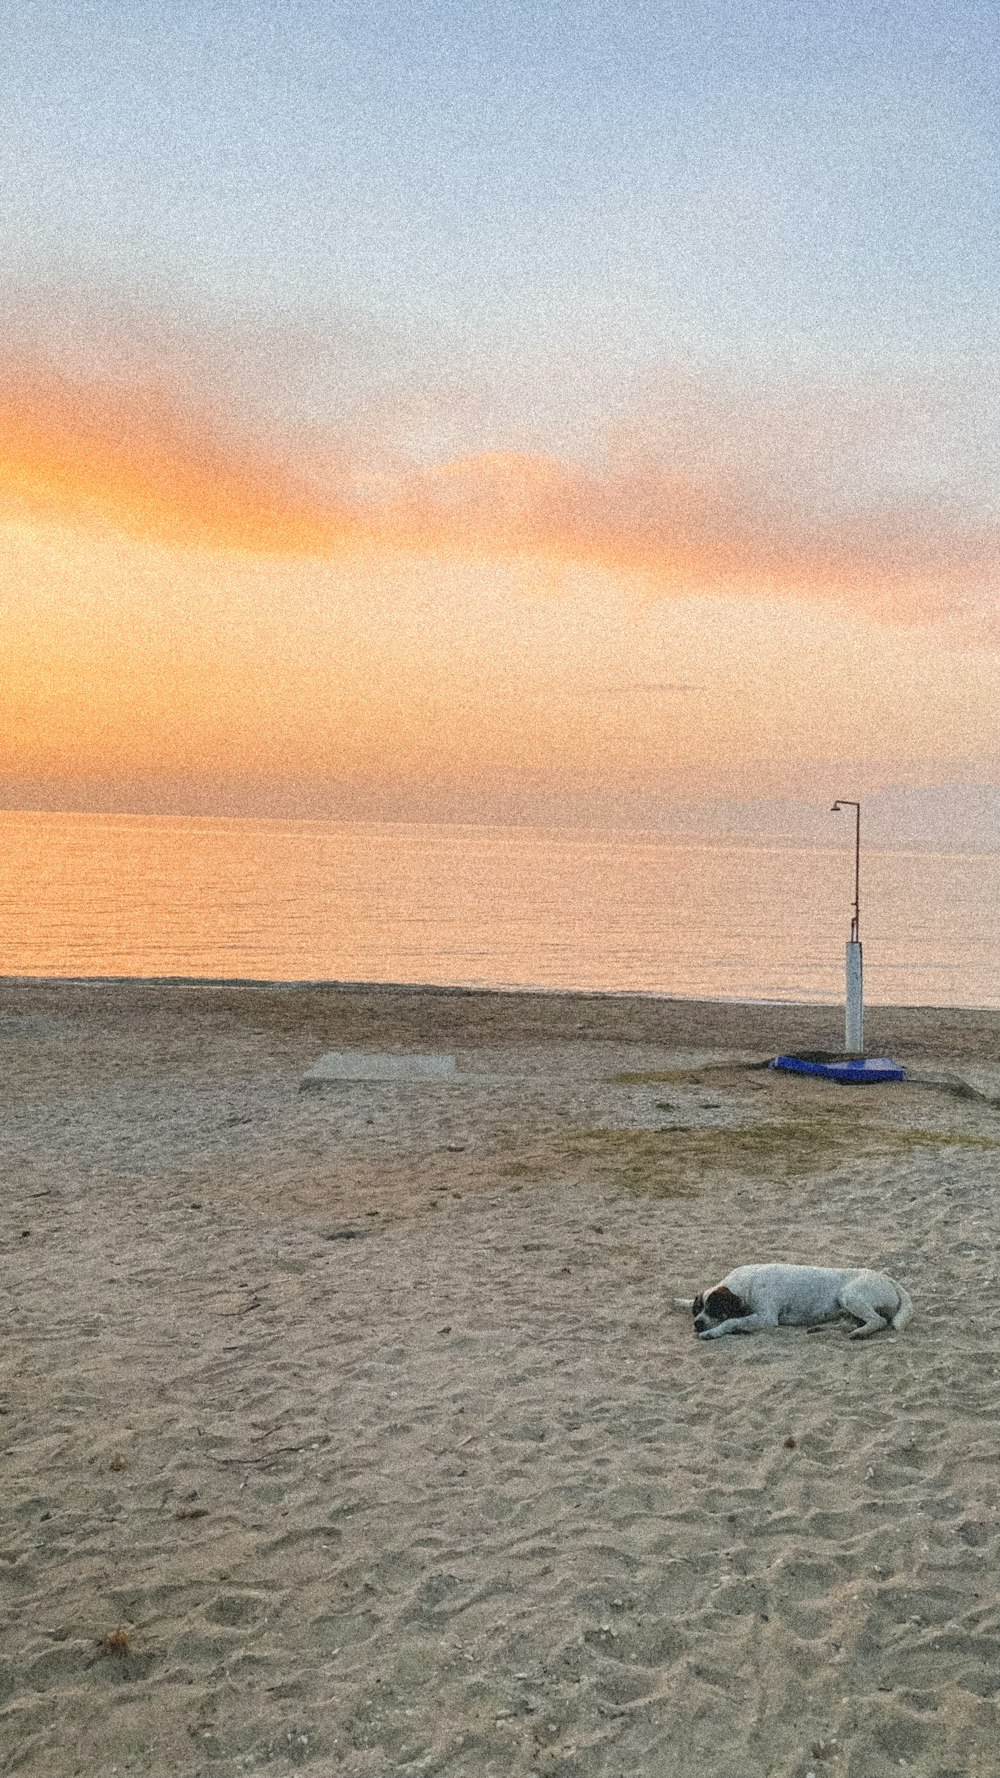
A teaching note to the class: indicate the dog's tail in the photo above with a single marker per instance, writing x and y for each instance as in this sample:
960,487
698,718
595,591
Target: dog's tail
905,1309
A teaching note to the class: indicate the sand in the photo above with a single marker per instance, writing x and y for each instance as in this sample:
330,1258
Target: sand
354,1431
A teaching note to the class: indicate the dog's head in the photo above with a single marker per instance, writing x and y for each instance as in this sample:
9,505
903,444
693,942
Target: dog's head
716,1305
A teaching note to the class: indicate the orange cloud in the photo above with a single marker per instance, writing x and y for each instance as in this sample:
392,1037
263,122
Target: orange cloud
690,534
139,462
132,460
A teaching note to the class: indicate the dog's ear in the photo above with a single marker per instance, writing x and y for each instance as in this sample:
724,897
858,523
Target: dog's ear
724,1305
698,1304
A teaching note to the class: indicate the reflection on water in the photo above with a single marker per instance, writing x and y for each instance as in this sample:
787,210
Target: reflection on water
489,906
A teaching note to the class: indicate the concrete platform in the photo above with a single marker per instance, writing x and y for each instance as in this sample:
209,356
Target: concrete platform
342,1067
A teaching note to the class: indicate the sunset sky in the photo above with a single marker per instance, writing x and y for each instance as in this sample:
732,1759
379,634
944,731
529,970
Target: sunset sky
497,408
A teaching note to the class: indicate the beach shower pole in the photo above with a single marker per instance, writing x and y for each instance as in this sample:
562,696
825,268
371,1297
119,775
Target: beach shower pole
854,1004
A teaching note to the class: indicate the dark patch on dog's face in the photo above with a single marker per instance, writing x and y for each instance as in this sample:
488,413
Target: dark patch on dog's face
719,1305
723,1304
697,1305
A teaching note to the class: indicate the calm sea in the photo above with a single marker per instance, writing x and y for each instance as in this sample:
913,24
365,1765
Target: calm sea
97,895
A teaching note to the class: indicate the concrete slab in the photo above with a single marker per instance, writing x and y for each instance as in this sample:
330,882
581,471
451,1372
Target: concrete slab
342,1067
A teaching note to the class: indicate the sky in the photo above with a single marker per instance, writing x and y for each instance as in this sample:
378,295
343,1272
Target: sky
497,409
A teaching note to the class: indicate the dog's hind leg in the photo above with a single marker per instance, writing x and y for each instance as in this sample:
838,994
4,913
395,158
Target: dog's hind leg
856,1301
873,1325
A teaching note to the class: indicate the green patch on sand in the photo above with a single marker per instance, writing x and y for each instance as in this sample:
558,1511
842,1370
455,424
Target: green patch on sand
903,1139
671,1162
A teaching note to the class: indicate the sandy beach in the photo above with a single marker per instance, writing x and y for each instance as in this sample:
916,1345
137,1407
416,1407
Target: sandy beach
354,1430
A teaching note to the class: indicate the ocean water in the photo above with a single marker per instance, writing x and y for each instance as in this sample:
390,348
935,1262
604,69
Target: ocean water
97,895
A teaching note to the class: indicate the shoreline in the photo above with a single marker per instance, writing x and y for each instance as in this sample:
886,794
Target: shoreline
287,985
378,1015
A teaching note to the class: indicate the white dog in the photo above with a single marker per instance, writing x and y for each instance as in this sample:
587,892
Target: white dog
756,1297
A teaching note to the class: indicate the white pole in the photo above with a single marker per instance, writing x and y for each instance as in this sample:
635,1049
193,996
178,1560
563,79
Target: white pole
854,1023
854,1006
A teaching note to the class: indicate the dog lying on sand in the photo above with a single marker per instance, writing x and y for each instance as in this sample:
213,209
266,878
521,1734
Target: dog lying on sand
757,1297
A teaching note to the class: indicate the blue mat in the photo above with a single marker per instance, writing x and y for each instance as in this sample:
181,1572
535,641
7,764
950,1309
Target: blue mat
862,1071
